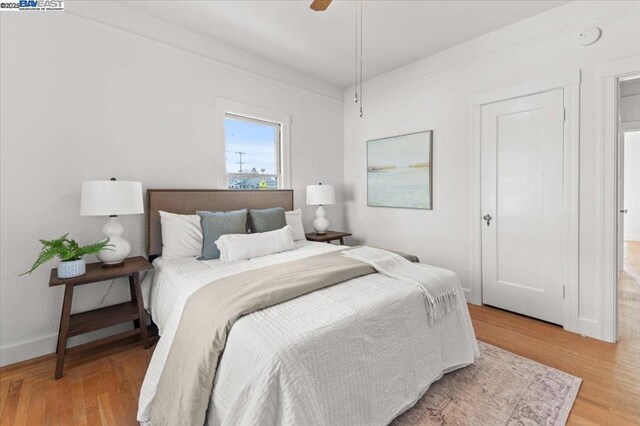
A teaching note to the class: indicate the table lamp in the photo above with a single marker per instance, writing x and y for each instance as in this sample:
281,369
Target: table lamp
112,198
319,195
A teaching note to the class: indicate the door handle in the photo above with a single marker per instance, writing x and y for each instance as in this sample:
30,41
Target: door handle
488,218
623,211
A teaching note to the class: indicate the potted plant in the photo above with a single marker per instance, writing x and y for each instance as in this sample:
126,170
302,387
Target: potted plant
70,253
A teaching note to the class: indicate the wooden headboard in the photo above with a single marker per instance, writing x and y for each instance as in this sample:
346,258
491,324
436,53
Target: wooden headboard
188,201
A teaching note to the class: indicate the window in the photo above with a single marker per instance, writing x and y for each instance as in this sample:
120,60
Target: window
253,153
252,147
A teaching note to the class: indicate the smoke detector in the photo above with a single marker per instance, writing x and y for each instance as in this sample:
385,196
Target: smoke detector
589,36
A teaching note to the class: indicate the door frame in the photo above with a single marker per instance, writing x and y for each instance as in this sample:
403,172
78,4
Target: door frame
623,129
569,82
607,231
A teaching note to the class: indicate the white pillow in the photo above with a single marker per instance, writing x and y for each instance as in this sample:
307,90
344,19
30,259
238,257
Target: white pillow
294,220
247,246
181,235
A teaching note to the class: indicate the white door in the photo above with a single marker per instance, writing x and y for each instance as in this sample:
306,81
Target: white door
522,204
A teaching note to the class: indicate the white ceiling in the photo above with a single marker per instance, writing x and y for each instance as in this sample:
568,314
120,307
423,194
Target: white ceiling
322,44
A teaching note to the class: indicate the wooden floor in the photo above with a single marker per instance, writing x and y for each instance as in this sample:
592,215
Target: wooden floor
101,382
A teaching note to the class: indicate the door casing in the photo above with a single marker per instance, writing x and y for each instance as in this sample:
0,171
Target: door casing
607,232
569,82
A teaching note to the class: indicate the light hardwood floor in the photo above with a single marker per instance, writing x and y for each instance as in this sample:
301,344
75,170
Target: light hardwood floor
101,382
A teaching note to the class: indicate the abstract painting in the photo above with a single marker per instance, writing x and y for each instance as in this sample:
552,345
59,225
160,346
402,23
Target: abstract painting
399,171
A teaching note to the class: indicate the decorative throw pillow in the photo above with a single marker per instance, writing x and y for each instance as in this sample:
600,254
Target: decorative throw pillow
216,224
294,220
239,247
265,220
181,235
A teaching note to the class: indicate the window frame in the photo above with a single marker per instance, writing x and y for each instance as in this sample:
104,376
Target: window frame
261,116
278,149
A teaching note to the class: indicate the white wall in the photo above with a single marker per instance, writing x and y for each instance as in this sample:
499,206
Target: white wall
632,186
630,87
434,93
630,109
82,99
630,103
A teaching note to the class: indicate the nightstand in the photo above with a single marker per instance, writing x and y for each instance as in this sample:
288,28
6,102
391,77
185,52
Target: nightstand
84,322
328,237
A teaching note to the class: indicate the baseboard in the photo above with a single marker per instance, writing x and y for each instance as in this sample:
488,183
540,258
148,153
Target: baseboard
23,351
468,295
588,327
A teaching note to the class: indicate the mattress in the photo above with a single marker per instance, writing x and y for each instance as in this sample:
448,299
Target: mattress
357,353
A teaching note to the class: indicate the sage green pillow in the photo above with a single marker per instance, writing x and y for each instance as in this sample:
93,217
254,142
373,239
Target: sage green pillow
216,224
265,220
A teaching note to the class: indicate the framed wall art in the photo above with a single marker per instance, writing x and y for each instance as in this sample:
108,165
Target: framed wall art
399,171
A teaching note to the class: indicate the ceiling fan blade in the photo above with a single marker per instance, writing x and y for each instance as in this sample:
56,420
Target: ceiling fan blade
320,5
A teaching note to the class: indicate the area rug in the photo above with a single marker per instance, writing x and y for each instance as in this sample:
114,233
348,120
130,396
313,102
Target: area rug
500,388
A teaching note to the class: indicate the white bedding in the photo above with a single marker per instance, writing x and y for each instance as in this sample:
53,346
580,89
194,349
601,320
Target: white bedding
357,353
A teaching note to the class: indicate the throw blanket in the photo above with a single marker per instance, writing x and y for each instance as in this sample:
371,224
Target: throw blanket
439,295
186,382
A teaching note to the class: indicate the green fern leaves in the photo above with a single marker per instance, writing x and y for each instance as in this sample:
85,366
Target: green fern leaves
67,250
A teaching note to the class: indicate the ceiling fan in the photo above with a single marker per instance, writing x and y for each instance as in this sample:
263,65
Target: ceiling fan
320,5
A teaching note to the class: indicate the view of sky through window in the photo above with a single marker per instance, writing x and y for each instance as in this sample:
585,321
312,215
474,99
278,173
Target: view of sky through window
251,143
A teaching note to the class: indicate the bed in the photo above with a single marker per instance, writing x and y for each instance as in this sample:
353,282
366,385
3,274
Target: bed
356,353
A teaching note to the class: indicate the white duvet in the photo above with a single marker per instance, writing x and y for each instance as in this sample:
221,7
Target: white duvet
357,353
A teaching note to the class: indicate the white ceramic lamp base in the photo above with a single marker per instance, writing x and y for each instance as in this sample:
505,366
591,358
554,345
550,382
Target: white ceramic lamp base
320,223
120,249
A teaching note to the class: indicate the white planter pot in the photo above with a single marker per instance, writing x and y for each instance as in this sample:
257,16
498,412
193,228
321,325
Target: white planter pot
71,269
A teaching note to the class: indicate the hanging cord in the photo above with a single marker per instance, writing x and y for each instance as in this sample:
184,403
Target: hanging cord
355,98
361,93
107,293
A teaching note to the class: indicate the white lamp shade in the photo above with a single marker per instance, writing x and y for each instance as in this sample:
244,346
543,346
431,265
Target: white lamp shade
320,195
111,197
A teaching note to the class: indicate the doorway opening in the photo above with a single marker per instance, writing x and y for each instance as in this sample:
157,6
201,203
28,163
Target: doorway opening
629,208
